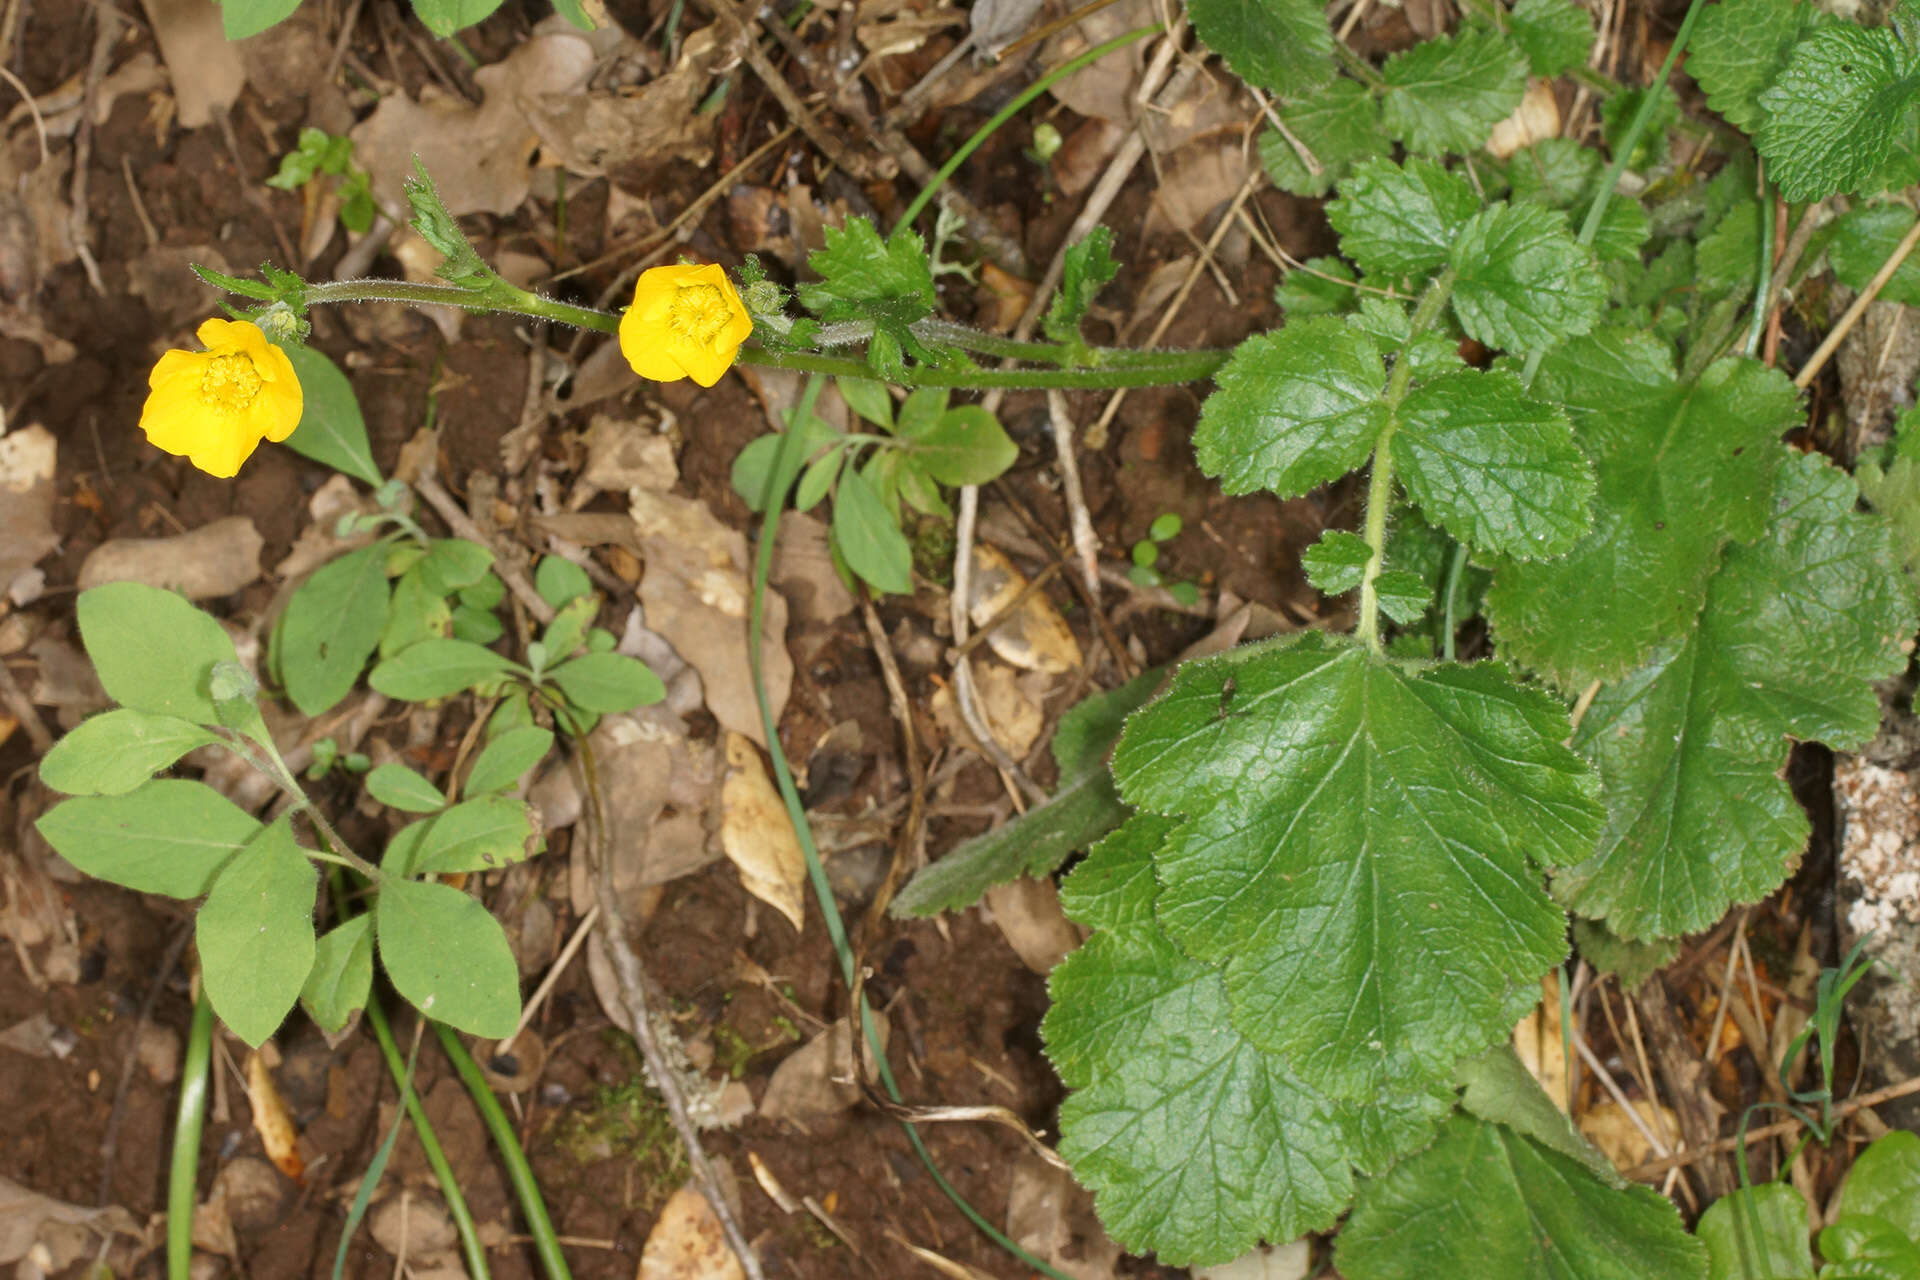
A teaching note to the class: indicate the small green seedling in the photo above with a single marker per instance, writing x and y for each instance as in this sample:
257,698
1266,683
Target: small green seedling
321,154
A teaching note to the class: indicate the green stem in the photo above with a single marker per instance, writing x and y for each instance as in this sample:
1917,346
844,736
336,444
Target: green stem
189,1121
470,1246
1763,284
1009,111
1455,572
1358,67
1380,481
546,1245
1177,367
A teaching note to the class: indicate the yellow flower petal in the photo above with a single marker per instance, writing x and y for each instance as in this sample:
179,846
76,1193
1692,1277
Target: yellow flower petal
213,407
685,321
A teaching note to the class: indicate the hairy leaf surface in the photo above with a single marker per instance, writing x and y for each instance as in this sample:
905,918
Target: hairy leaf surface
1522,280
1485,1201
1835,109
1445,95
1360,850
1739,47
1683,469
1690,745
1397,220
1554,34
1283,46
1338,126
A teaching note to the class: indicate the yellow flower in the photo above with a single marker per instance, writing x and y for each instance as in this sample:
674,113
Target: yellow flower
685,322
214,407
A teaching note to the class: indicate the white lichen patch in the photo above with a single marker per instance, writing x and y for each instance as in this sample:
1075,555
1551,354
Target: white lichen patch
1880,844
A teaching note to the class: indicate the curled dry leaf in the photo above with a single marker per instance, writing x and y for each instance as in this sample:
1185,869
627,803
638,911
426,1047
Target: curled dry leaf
1620,1140
758,836
1034,636
636,131
24,1214
1028,914
688,1243
271,1120
207,71
26,501
1051,1216
1103,90
817,1080
1013,714
216,559
1536,119
1542,1052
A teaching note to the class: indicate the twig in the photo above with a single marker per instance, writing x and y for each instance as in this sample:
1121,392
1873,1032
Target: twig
463,526
963,690
1606,1080
1085,544
1726,991
908,841
1685,1078
106,31
554,974
139,204
1726,1145
783,93
347,24
21,708
633,995
33,109
1825,350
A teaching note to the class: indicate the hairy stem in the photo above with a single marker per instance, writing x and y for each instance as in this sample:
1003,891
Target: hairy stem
189,1121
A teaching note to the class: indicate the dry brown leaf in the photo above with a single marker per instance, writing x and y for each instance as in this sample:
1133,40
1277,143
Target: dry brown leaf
696,594
1034,637
623,454
1029,917
316,544
758,836
1051,1216
646,764
271,1120
1013,716
1006,296
1609,1128
481,158
1293,1261
251,1192
24,1213
1200,180
817,1080
27,459
207,71
688,1243
34,914
414,1225
216,559
803,573
1537,1040
1104,90
1536,119
163,278
633,133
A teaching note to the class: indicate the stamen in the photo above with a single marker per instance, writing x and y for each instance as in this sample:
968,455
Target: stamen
230,383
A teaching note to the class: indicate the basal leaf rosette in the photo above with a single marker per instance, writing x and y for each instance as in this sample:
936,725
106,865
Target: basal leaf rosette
1690,745
1360,850
214,407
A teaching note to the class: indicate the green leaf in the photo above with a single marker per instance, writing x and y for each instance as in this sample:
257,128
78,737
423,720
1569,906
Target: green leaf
817,480
559,580
1283,46
607,682
447,956
964,445
169,836
1556,34
1445,95
152,650
1404,597
1314,288
444,17
452,564
1833,112
569,627
1682,467
1338,125
240,19
112,753
1494,467
867,536
1293,409
475,835
331,432
341,976
1522,281
867,398
1885,1182
330,627
1368,880
507,757
1738,48
1862,242
414,613
399,787
1757,1233
1398,220
437,669
1486,1201
255,933
476,626
888,283
1336,563
1630,962
1195,1144
1082,809
1864,1247
438,227
1690,746
1088,267
1496,1086
753,465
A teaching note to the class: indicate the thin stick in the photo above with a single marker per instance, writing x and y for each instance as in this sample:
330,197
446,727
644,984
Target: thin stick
21,708
463,526
633,995
1606,1081
909,838
33,109
554,974
1726,990
1079,520
1825,350
107,30
1725,1145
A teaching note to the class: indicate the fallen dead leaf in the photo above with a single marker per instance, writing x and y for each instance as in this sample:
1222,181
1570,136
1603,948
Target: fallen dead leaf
271,1119
1028,914
251,1192
1292,1261
1200,180
758,836
1006,297
24,1213
27,460
817,1080
645,764
216,559
34,914
687,1243
633,133
1051,1216
317,544
803,573
414,1225
163,278
1609,1128
1034,637
622,455
207,71
37,1037
696,594
1536,119
1013,716
1083,155
1103,90
1542,1052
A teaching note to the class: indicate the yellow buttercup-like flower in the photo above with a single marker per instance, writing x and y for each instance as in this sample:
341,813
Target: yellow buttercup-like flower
214,407
685,322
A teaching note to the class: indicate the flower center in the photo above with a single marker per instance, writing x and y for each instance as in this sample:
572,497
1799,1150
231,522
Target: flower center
698,313
230,383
